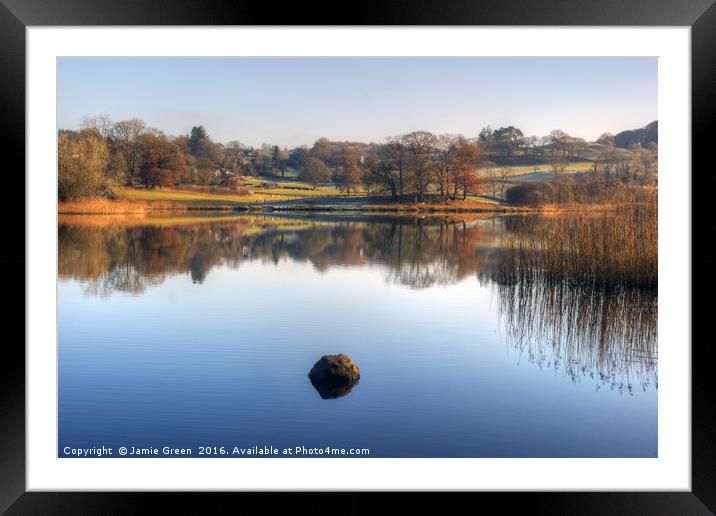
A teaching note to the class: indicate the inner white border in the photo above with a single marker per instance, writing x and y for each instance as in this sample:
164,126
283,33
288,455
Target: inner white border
671,470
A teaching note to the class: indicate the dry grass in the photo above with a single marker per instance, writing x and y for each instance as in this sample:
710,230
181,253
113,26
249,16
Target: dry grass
150,218
615,248
212,198
101,206
556,209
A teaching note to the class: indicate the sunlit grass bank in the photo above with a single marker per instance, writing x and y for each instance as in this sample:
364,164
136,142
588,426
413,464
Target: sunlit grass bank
170,194
102,206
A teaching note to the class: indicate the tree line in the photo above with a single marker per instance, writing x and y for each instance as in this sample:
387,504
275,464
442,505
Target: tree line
416,165
104,153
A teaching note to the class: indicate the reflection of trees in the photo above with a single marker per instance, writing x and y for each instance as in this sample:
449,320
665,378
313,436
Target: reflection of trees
417,253
442,254
131,259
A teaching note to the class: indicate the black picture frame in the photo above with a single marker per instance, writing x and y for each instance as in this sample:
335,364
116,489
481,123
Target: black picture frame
16,15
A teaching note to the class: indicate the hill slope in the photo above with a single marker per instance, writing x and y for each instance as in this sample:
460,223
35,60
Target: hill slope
644,135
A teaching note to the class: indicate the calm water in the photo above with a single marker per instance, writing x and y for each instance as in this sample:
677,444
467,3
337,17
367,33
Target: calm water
202,334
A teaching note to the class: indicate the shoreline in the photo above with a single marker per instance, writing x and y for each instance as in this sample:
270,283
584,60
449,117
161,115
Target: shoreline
122,207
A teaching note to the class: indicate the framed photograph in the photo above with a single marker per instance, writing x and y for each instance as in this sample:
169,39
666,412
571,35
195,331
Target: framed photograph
440,249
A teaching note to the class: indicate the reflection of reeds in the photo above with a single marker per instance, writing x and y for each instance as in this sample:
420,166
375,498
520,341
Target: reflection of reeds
584,330
579,292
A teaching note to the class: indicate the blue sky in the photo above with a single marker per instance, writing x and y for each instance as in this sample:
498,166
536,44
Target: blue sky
294,101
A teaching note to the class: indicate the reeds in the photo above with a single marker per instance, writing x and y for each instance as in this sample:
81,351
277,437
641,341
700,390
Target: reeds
580,292
613,249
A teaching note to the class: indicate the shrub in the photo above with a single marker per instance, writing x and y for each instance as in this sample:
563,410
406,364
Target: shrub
531,194
568,190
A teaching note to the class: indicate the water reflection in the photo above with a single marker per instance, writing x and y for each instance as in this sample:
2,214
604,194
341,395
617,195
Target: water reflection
608,335
418,253
579,326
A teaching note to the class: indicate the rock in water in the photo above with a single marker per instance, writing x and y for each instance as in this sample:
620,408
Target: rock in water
334,376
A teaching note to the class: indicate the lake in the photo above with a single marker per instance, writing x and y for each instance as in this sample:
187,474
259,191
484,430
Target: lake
200,332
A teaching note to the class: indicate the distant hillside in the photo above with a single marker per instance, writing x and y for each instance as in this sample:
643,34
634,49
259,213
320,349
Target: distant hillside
594,151
648,133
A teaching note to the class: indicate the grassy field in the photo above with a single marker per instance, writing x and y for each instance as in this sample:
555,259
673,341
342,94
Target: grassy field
284,191
543,171
169,194
287,189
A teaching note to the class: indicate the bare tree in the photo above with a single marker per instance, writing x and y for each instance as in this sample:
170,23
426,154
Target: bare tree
626,165
386,168
394,154
531,145
491,177
126,136
446,161
575,146
504,174
607,159
420,145
100,125
559,140
606,139
557,161
647,158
